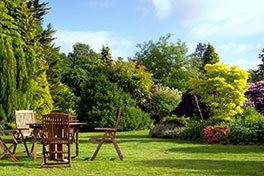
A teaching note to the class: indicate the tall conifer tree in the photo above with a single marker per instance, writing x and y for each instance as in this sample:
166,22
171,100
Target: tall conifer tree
210,56
23,81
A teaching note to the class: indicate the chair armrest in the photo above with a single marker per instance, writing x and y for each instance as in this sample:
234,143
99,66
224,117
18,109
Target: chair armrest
9,131
22,129
104,129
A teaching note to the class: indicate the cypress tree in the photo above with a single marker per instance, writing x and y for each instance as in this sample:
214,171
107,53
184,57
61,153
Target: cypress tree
22,72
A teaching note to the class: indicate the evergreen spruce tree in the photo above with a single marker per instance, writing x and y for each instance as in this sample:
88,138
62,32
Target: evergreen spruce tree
209,56
106,56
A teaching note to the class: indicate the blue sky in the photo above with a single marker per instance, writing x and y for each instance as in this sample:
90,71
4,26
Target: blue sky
234,27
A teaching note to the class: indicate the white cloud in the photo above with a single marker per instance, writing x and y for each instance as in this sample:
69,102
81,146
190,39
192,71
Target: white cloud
223,18
244,55
233,24
244,63
120,47
215,18
163,8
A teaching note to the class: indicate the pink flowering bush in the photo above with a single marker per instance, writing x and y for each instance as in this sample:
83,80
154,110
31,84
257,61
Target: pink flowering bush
215,134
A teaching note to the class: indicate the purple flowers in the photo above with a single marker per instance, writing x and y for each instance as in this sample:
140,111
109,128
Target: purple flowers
255,95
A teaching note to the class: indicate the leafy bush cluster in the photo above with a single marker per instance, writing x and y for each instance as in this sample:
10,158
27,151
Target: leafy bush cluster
215,134
133,78
255,95
246,129
194,130
222,88
100,98
170,127
178,121
164,101
189,107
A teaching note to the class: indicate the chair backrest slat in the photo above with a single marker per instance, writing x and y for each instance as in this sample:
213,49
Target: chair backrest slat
55,125
118,117
23,117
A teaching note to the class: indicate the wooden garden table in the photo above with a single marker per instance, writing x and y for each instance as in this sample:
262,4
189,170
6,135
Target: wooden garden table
37,127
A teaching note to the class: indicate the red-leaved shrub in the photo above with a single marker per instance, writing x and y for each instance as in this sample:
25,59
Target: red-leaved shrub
215,134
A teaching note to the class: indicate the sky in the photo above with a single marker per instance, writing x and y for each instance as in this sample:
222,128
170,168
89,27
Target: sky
234,27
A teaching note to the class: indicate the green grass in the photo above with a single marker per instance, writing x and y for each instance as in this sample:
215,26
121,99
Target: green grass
148,156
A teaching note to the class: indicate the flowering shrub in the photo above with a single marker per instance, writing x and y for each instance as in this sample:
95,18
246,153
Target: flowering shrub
164,101
255,95
215,134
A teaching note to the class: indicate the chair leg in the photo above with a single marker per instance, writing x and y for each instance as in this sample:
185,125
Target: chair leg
25,144
69,153
43,160
116,146
7,151
99,146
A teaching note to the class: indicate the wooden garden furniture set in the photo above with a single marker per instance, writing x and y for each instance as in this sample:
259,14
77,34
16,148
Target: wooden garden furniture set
57,131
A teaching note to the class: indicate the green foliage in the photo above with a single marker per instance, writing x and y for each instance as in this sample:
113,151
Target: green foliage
222,88
22,65
79,64
106,57
179,121
209,56
64,99
133,78
133,118
194,130
62,96
247,128
101,87
82,56
100,98
167,61
164,101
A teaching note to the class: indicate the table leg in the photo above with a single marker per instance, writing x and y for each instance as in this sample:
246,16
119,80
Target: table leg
35,136
77,142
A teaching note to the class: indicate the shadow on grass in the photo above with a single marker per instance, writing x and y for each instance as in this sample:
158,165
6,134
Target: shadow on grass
138,138
215,167
23,161
218,149
141,138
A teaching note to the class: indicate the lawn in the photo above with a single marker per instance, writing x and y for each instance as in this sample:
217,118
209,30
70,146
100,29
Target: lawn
148,156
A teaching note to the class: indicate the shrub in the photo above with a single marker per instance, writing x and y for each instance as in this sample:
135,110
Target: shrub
222,88
164,101
178,121
255,94
215,134
162,130
170,127
188,107
194,130
133,118
133,78
247,128
100,99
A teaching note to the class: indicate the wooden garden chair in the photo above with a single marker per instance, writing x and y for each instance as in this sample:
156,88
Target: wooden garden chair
108,137
18,135
8,145
56,134
23,118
